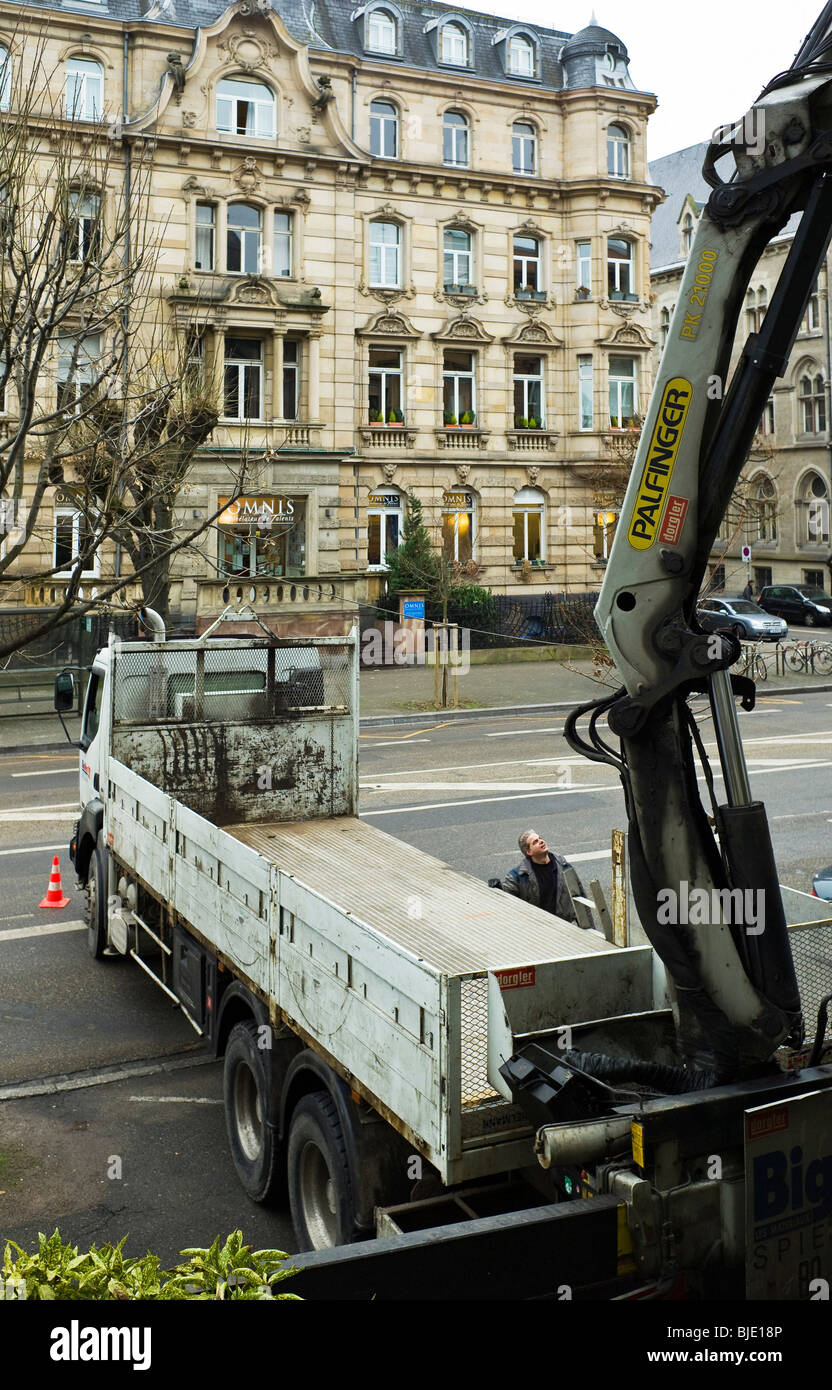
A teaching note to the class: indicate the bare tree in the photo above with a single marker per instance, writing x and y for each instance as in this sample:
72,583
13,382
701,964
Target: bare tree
104,407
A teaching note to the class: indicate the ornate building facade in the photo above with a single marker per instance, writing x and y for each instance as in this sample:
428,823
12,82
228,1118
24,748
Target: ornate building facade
411,245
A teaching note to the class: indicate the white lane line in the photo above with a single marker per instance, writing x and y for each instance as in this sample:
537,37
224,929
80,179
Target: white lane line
48,929
50,772
517,733
397,742
77,1081
459,786
486,800
473,767
33,849
586,855
176,1100
50,806
31,813
18,917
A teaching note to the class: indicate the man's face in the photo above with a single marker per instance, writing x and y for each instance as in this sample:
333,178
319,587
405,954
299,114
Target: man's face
536,848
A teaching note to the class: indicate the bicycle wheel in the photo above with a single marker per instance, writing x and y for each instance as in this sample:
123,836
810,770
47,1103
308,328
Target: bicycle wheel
760,668
823,660
794,659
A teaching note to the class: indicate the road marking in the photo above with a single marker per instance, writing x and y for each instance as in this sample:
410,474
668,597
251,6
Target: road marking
517,733
394,742
176,1100
33,849
487,801
18,917
458,786
50,1085
31,813
47,929
47,772
52,806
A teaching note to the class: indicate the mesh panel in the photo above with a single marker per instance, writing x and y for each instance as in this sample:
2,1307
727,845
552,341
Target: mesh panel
812,951
165,684
474,1009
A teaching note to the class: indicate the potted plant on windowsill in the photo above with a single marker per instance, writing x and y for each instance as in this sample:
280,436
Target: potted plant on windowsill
396,419
467,420
376,417
451,422
582,292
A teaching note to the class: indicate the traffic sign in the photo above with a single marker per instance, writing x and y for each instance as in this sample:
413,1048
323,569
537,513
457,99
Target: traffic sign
746,553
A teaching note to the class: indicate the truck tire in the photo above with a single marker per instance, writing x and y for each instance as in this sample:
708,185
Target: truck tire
246,1085
96,908
320,1188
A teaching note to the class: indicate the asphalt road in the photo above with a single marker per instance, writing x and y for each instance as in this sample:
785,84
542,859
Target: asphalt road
461,791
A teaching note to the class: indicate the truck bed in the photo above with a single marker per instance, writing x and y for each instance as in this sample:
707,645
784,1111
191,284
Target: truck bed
450,920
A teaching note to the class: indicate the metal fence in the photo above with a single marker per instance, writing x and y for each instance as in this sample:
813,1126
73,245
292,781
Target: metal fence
504,620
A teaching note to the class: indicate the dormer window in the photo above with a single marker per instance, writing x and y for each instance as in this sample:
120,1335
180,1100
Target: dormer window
520,56
245,108
382,35
453,45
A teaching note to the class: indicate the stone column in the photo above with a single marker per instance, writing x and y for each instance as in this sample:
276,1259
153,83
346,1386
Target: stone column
314,393
278,334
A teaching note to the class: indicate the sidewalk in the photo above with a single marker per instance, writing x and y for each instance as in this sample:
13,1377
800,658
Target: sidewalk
405,694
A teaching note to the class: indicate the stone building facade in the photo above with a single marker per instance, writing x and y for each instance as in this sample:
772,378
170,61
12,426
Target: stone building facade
412,246
781,508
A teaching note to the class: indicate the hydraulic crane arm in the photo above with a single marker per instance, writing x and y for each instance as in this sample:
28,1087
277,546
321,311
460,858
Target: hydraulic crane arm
733,973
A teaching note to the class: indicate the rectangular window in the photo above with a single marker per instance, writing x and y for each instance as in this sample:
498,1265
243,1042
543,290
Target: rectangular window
458,389
458,527
84,90
584,265
205,236
84,227
243,240
262,536
243,383
384,521
385,241
385,393
623,393
585,401
816,577
527,266
603,533
620,269
291,378
283,243
78,368
528,392
71,538
195,359
457,258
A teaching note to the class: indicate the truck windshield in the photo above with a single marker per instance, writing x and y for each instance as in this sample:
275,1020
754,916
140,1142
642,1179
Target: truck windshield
92,710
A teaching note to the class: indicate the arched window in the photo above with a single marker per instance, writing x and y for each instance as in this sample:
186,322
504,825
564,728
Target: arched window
245,108
84,89
243,240
813,511
618,152
453,45
763,510
524,148
520,56
456,259
382,32
687,234
455,139
384,526
5,78
664,323
384,130
385,255
529,531
621,271
812,405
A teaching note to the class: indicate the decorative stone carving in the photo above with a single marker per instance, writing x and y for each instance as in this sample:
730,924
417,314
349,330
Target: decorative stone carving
247,51
253,291
188,119
463,327
533,473
462,470
390,325
304,133
389,471
247,176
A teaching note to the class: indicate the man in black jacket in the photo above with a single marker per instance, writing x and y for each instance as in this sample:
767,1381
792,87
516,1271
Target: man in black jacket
540,880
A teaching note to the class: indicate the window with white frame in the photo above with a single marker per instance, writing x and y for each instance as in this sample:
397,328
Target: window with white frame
458,527
385,386
618,152
767,421
528,266
811,319
623,392
459,397
283,243
453,45
71,539
206,229
763,510
529,404
586,401
813,511
687,233
527,519
384,130
455,145
385,255
245,108
84,89
385,512
456,258
583,277
524,147
291,378
520,56
664,324
84,226
812,405
751,312
243,239
78,370
195,358
621,276
5,78
382,34
243,379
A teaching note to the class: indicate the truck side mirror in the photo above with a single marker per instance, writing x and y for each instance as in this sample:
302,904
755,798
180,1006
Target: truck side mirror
64,692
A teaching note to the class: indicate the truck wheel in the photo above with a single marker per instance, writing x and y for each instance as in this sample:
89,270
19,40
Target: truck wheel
320,1190
247,1088
96,909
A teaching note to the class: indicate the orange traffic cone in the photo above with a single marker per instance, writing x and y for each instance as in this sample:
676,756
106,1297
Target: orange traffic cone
55,893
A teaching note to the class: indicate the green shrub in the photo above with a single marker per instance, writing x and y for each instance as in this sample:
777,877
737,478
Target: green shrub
230,1271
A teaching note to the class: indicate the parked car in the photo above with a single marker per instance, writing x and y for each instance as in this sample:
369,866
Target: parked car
797,603
822,884
742,617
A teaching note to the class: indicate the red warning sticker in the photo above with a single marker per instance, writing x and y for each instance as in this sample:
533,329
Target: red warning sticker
518,978
674,519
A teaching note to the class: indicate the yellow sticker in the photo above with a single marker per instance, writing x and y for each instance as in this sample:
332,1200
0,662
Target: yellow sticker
638,1144
658,467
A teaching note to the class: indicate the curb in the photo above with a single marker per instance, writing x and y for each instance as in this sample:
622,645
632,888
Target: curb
373,721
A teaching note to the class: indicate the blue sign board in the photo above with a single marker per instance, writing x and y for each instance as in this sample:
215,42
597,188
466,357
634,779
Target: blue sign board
414,608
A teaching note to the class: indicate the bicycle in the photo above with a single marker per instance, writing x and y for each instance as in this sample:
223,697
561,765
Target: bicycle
809,657
751,663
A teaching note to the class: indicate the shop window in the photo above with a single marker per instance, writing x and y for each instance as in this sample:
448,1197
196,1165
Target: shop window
458,527
527,518
384,527
605,523
262,536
